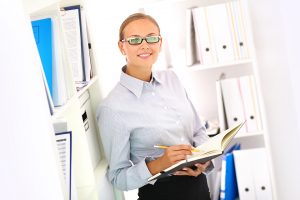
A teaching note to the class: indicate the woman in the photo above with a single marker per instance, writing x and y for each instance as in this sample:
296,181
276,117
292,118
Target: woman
145,109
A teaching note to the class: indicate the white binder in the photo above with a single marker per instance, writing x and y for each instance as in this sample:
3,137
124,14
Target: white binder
250,102
221,107
218,19
233,102
239,29
192,56
204,38
252,174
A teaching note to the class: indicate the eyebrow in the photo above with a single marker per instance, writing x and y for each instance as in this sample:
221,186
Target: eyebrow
142,36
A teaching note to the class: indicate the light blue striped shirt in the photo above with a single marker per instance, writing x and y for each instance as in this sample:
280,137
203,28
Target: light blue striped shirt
137,115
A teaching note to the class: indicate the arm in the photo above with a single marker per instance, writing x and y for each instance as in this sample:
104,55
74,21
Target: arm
115,139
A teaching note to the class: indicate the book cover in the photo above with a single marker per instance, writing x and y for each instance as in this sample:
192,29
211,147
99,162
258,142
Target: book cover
42,30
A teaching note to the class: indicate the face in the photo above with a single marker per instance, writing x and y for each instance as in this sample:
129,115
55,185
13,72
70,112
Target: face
141,55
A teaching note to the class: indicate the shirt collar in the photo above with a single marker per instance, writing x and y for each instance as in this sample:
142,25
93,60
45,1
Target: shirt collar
136,85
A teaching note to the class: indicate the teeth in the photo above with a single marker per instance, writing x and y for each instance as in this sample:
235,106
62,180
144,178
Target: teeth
144,55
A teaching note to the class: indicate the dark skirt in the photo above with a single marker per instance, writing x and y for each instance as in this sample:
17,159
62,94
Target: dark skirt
176,188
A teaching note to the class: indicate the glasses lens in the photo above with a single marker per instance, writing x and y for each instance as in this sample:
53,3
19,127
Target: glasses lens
152,39
136,40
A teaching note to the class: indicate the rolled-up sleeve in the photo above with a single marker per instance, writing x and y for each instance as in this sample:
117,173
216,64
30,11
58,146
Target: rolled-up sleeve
115,137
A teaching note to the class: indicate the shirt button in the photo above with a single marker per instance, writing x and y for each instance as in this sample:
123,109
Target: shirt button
178,122
153,93
165,107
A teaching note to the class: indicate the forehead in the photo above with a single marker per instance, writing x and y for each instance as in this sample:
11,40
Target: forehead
140,27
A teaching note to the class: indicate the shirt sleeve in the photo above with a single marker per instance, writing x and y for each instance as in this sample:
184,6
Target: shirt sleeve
115,137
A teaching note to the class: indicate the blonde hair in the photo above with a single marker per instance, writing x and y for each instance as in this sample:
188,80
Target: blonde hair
134,17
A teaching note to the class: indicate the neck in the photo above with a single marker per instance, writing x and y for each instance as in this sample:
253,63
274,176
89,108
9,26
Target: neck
142,73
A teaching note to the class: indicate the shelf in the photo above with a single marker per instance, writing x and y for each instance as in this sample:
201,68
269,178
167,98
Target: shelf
162,3
250,134
59,110
85,88
200,67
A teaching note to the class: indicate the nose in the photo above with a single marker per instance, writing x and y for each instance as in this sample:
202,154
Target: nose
144,44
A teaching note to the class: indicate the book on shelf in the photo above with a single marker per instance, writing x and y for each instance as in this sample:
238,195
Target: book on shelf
213,148
47,33
78,48
42,31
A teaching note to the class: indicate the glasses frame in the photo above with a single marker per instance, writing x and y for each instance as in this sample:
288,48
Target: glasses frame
143,38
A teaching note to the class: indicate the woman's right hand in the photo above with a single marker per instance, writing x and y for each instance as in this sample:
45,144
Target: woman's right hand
171,156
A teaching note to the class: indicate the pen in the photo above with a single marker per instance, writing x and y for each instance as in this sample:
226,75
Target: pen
164,147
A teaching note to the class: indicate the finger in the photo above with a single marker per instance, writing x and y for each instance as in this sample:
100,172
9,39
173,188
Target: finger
181,173
182,147
191,172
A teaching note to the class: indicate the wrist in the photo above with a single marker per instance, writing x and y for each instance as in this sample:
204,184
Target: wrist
155,166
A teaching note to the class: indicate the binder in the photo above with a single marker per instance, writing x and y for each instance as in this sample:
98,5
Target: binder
204,39
42,30
251,107
90,128
71,22
192,56
60,89
233,102
229,189
221,107
218,19
64,147
85,47
252,174
241,102
237,21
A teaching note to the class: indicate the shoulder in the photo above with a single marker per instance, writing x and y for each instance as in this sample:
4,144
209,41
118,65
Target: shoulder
111,102
167,76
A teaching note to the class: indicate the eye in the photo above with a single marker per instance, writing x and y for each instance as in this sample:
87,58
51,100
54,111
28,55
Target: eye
136,40
152,39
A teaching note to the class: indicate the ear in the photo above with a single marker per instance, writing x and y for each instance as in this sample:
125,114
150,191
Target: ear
121,45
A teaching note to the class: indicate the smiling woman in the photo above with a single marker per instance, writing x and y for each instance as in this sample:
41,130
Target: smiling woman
140,42
148,108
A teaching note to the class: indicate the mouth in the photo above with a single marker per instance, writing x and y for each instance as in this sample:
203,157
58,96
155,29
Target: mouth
144,55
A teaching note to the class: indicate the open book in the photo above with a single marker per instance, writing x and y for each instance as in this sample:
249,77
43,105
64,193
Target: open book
214,147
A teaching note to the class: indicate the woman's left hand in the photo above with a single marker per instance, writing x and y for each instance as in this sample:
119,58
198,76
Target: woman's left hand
193,172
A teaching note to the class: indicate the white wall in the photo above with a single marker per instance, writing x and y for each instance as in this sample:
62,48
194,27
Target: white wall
29,168
276,36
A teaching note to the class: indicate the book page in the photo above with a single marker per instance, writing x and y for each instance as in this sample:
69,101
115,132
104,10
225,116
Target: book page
218,142
71,30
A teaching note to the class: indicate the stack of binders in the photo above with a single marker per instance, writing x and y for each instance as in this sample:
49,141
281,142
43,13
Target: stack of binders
237,100
220,33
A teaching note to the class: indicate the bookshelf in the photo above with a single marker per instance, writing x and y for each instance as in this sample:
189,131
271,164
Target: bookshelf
89,163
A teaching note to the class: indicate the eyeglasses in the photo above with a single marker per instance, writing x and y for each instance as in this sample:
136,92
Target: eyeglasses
138,40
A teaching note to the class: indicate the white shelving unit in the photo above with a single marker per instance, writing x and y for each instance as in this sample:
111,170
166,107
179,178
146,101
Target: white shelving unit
90,181
276,45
